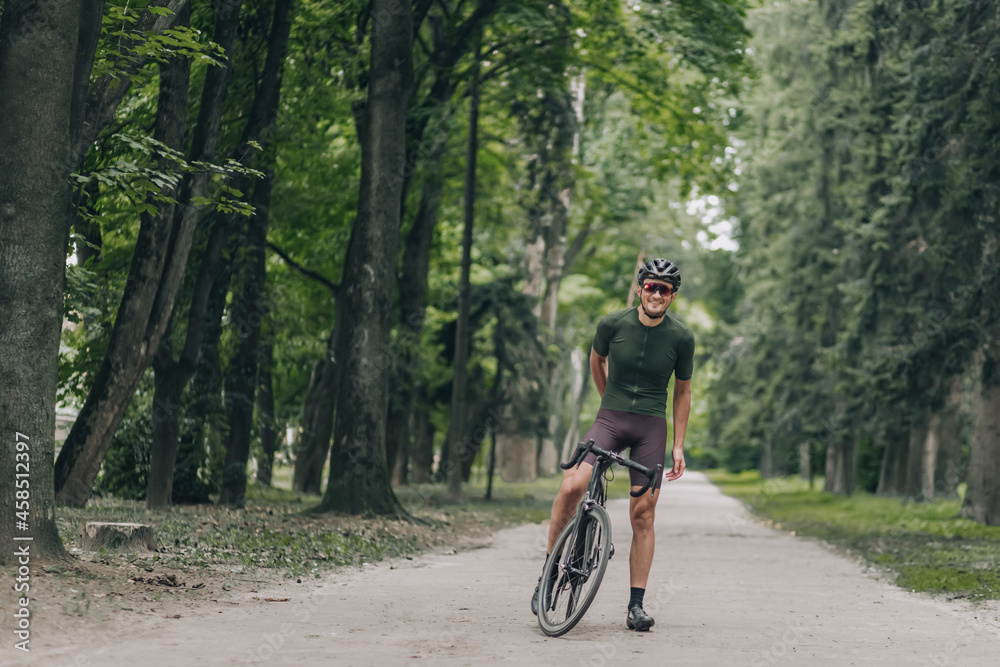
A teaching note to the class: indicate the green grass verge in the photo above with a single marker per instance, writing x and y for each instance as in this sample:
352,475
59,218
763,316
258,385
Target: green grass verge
924,545
276,532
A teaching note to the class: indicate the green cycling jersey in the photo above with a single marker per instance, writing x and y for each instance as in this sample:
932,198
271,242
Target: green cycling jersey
641,360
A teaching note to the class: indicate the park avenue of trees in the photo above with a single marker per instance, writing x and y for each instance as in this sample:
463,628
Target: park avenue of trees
377,236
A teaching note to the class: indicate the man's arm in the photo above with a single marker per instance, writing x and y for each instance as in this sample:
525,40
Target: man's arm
682,408
599,371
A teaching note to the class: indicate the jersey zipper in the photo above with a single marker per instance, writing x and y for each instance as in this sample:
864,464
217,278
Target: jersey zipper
642,359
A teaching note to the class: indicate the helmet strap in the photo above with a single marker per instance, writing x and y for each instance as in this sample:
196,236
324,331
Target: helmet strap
652,317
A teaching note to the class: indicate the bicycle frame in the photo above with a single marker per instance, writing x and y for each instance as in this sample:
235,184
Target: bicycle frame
597,492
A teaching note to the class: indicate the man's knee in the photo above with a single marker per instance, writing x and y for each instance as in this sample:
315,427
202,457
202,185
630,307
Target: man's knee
642,516
574,483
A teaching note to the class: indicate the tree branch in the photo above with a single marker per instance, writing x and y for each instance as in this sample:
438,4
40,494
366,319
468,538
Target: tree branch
325,282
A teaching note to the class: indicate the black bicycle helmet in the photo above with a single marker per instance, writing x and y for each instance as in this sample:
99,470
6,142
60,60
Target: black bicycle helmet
660,269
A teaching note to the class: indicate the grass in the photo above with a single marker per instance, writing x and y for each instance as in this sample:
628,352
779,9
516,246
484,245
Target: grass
924,546
277,533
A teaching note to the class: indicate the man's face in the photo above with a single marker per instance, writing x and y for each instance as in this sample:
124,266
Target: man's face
656,299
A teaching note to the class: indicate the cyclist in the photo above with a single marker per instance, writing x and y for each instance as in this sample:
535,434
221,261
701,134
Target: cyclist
635,351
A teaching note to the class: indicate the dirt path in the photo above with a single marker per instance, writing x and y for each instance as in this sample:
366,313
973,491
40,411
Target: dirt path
723,591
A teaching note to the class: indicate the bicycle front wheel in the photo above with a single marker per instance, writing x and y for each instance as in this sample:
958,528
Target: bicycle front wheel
564,602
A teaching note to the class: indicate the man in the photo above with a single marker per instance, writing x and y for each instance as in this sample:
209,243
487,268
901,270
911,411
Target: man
635,352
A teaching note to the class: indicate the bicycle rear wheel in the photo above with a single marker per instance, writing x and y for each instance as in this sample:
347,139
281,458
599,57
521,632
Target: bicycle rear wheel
563,604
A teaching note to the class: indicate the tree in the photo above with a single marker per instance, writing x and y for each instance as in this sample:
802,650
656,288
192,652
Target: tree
249,308
39,96
154,278
359,477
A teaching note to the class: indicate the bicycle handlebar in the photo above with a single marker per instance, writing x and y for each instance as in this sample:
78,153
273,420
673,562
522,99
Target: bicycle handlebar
584,448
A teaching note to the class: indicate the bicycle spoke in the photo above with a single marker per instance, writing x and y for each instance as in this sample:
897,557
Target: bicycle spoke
585,551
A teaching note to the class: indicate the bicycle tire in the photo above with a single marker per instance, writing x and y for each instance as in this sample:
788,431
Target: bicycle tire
595,543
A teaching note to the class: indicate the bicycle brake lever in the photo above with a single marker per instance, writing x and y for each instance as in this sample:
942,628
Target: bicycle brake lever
654,476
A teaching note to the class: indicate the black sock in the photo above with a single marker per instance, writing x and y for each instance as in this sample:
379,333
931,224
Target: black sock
637,595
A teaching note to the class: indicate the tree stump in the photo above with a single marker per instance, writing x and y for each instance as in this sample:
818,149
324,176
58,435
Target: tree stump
98,535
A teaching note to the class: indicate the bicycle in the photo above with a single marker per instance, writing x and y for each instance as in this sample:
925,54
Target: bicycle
580,555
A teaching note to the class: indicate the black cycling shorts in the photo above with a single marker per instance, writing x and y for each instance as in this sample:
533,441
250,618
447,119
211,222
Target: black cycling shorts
617,430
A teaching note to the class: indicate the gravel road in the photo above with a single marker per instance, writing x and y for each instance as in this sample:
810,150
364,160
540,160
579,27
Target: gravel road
724,590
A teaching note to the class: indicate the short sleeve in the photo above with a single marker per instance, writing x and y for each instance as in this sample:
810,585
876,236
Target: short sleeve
684,367
602,339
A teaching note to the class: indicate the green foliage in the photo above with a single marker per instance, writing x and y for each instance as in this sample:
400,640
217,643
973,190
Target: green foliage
126,466
864,241
122,48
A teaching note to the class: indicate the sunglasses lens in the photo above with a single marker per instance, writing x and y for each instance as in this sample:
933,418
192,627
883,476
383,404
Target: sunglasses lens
656,288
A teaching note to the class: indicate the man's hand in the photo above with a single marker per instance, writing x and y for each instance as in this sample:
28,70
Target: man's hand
678,469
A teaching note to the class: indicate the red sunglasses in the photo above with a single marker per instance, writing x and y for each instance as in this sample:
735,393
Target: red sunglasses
657,288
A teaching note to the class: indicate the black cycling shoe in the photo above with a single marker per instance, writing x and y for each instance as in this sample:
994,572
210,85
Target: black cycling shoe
538,592
534,598
638,619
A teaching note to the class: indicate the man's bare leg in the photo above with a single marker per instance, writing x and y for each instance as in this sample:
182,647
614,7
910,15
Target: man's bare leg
573,486
642,510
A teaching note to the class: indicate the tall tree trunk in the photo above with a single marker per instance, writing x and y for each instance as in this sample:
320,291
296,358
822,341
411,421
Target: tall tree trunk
578,391
157,269
249,311
167,390
249,308
456,431
317,421
949,463
268,426
548,453
172,376
928,468
915,458
841,467
892,475
203,410
982,498
359,477
412,298
38,60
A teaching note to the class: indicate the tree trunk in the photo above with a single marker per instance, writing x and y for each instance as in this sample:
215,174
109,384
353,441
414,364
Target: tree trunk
982,498
249,311
548,454
841,467
171,377
930,456
578,387
805,461
458,399
892,475
268,426
766,464
157,269
422,459
534,251
915,458
517,456
317,421
204,404
103,96
359,478
166,428
949,463
38,57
